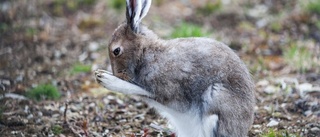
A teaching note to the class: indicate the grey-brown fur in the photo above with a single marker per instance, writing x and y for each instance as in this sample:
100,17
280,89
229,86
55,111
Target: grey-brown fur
197,75
178,71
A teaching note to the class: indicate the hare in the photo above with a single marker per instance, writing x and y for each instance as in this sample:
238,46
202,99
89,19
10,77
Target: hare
199,84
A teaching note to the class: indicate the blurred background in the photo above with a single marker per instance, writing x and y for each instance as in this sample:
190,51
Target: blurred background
49,49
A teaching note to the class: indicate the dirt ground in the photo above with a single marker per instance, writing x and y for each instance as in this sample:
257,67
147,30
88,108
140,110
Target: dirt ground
52,41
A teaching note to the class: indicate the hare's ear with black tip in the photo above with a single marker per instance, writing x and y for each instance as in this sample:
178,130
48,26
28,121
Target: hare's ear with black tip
136,10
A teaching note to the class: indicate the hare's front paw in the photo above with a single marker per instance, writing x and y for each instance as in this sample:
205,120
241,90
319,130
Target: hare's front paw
106,79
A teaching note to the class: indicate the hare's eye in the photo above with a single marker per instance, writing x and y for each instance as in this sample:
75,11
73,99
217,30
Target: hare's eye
116,51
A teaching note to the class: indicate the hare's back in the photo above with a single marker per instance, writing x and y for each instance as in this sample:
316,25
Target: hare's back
193,61
202,53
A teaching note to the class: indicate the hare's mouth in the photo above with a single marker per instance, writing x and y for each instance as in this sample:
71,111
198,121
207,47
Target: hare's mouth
122,71
122,74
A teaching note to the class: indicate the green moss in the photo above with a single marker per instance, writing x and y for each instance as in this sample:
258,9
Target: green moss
117,4
80,68
209,8
188,30
275,133
276,26
31,31
318,24
44,92
62,6
314,6
3,27
89,23
1,112
56,129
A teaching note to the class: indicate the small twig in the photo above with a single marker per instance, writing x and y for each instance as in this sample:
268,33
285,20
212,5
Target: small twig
74,131
145,132
85,127
65,113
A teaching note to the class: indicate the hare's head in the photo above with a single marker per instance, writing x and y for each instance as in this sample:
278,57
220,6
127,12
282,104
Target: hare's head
127,40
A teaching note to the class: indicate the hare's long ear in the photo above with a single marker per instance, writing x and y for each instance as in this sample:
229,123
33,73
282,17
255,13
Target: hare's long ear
136,10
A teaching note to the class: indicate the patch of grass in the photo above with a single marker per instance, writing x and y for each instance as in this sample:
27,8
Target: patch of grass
31,32
159,2
89,23
1,112
209,8
188,30
62,6
44,92
3,27
318,24
314,6
80,68
56,129
117,4
300,58
276,26
275,133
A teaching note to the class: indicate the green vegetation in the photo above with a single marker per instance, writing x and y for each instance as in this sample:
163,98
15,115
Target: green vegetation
80,68
117,4
299,58
60,6
56,129
44,92
209,8
31,31
314,6
276,26
275,133
1,112
318,24
188,30
89,23
159,2
3,27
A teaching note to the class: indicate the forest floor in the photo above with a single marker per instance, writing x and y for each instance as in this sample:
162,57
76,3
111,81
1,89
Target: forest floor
56,45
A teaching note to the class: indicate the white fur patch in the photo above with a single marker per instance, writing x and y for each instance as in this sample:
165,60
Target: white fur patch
210,124
187,124
113,83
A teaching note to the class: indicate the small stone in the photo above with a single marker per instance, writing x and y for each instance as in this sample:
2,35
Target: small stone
83,56
257,131
38,121
92,104
110,97
263,83
40,114
270,89
315,130
94,55
19,78
273,123
256,126
55,115
26,109
93,46
30,116
305,87
57,54
106,100
307,113
62,109
120,102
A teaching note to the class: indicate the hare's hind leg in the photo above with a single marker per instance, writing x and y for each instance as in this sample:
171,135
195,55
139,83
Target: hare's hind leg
210,125
114,83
